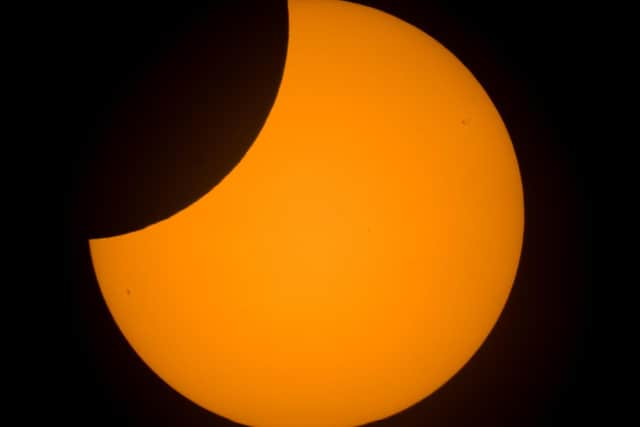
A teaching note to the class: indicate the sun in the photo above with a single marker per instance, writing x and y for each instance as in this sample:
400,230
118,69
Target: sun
357,256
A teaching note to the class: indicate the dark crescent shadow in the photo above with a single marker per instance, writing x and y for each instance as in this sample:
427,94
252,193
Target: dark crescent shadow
178,108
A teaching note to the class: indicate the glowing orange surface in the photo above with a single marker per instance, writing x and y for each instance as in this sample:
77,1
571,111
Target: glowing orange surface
357,256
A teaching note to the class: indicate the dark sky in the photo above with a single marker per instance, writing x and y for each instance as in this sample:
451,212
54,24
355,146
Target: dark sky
148,73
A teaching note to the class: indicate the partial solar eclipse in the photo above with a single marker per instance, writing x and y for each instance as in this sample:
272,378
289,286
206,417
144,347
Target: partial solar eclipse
356,257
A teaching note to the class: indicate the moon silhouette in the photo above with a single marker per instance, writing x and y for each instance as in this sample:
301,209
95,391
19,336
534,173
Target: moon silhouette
355,258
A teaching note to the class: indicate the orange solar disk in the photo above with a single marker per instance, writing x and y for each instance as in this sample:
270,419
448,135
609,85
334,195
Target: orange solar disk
357,256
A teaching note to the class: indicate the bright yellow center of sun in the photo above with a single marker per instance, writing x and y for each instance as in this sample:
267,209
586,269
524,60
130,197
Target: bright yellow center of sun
358,255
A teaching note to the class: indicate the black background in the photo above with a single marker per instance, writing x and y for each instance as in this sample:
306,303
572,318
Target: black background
146,74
